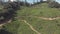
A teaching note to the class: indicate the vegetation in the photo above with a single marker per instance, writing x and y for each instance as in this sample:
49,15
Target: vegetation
30,16
9,9
43,26
54,4
4,32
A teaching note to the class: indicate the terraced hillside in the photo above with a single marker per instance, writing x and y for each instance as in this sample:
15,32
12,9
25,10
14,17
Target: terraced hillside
38,19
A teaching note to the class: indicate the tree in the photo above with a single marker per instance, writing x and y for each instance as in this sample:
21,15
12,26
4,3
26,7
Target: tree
25,2
41,1
50,1
0,2
37,1
33,1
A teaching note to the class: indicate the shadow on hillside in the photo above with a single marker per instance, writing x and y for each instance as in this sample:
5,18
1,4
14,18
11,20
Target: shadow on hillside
7,17
9,12
4,32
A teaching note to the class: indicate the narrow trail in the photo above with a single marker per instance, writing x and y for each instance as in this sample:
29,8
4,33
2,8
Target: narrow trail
5,23
44,18
31,27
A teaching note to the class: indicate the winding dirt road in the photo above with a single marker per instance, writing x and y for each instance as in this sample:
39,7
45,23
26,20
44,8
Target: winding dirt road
44,18
32,28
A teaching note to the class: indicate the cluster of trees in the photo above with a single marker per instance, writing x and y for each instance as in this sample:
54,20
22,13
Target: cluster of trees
38,2
34,3
28,4
53,4
9,11
25,4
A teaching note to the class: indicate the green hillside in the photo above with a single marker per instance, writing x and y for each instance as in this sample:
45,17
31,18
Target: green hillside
28,16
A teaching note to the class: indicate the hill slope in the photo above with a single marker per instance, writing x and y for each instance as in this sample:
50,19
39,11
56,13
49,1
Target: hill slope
27,22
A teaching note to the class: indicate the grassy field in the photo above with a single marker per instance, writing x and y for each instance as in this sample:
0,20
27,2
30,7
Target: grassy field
40,10
42,26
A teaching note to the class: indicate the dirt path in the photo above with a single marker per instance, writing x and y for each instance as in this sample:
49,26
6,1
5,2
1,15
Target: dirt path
5,23
44,18
31,27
